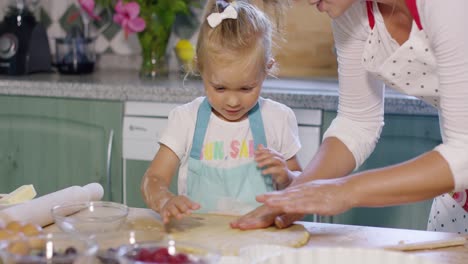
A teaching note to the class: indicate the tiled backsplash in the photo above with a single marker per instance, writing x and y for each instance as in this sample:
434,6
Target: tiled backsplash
307,51
59,16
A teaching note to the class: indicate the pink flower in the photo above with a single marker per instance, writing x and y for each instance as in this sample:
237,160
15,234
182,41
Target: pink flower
88,7
127,16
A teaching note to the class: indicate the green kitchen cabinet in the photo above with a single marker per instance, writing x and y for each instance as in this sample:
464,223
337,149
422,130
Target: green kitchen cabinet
54,143
403,137
134,170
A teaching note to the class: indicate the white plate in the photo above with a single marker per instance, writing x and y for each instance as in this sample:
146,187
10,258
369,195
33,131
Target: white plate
3,206
231,260
258,253
344,256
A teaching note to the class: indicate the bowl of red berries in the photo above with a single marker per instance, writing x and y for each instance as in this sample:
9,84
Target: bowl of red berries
110,242
167,251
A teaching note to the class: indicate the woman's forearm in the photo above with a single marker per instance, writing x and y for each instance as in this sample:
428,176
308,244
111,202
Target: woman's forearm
406,182
421,178
333,160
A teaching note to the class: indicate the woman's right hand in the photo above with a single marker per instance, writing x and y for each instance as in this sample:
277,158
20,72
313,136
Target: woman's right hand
322,197
178,207
262,217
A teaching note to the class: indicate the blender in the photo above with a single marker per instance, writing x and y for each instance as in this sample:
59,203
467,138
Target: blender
75,53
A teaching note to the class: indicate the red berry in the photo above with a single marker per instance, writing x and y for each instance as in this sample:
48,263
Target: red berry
161,252
179,259
144,255
160,255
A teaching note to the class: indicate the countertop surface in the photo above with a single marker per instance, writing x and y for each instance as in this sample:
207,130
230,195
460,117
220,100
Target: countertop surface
335,235
126,85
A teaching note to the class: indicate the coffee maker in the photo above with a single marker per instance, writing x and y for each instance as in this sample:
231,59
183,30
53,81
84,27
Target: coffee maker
24,46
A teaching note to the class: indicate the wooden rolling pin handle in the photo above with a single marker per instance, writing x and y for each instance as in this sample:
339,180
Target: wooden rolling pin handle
450,242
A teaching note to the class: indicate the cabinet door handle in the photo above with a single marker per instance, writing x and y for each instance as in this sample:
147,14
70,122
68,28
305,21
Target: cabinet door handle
132,127
108,163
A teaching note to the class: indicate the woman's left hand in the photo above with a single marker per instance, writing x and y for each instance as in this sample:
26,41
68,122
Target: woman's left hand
260,217
322,197
273,163
263,217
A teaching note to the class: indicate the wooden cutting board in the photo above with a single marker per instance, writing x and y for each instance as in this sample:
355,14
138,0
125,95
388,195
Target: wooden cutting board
214,231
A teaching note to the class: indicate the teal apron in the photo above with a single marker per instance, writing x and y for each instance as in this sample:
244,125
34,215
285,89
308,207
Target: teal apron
225,189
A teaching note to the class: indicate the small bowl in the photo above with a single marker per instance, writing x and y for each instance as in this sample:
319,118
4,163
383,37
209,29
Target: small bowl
110,242
48,248
166,251
90,217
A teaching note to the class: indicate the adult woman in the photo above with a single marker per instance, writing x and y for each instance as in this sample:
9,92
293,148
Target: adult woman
419,48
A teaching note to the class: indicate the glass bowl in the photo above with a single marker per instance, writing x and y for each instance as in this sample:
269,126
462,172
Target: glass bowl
166,251
110,242
53,248
90,217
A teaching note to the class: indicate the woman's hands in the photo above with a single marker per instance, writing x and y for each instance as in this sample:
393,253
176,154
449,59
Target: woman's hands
322,197
282,172
273,163
263,217
178,207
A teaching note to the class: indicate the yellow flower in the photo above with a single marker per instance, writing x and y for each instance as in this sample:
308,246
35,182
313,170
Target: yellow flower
185,51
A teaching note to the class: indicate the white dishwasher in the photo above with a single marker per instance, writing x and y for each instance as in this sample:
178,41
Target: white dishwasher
144,122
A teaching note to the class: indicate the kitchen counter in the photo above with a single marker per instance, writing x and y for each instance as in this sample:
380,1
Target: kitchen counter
126,85
335,235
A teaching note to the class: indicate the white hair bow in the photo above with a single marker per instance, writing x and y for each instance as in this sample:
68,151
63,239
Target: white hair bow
214,19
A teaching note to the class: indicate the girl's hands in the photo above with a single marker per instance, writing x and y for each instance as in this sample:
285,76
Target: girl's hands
273,163
178,207
323,197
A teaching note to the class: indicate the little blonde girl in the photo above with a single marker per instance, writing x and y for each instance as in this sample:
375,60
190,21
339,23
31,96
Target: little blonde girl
232,144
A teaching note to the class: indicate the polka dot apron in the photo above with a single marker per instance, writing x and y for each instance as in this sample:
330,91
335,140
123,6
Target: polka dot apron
411,69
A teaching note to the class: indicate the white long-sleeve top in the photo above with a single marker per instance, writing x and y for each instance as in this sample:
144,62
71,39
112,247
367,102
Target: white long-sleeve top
361,85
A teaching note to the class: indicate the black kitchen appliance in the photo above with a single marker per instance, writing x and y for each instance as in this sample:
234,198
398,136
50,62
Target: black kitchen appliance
75,53
24,46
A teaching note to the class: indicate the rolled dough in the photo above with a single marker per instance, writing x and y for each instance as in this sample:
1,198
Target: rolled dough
214,231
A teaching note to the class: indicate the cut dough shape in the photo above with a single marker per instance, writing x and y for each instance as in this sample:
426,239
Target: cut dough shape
214,231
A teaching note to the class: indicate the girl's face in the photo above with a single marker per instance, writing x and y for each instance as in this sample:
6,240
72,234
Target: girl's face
334,8
232,88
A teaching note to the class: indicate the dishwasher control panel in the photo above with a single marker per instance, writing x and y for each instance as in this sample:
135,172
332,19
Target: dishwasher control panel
143,124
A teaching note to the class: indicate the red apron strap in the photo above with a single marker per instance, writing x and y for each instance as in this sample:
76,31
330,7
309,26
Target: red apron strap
370,14
413,8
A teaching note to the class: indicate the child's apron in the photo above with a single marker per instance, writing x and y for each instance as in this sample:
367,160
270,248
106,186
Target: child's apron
227,190
412,70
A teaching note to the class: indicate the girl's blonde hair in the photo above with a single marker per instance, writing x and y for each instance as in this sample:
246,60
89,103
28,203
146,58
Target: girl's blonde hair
250,34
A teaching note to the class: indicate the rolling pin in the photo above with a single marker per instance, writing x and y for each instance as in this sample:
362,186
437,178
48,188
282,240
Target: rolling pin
443,243
38,210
